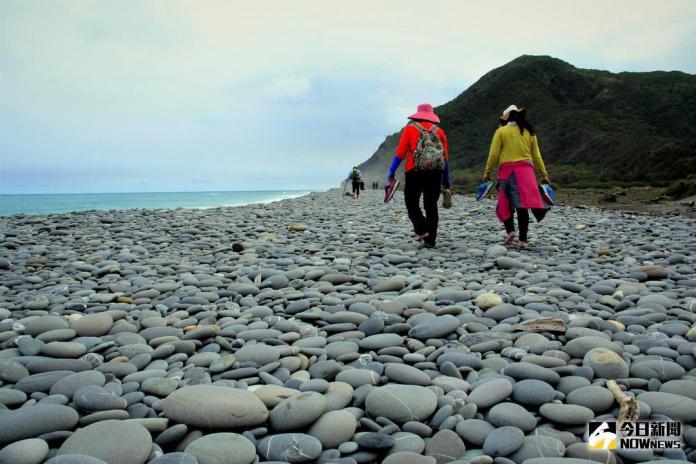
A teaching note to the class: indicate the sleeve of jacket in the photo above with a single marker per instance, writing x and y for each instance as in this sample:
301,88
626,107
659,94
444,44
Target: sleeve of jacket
494,153
405,142
536,156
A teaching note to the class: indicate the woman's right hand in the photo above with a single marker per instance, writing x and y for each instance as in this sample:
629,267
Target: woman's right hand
546,180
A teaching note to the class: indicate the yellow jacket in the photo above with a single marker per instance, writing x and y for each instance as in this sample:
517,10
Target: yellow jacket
509,145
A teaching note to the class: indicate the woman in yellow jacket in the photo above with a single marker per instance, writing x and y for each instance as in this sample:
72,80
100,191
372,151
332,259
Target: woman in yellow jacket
515,151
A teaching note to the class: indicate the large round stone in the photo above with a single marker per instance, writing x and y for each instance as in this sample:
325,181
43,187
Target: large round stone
512,414
70,384
578,347
490,393
289,447
30,451
598,399
676,407
408,375
445,446
32,421
113,441
566,414
213,407
539,446
605,364
222,448
297,412
334,428
435,327
503,441
92,325
401,403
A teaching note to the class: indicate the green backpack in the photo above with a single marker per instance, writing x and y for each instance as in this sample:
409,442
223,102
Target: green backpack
430,153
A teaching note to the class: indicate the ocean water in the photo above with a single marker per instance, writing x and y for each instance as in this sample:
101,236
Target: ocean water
64,203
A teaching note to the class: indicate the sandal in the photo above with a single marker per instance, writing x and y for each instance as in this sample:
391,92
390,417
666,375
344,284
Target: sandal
510,238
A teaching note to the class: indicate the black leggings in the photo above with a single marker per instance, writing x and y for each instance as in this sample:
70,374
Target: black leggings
356,188
426,183
522,221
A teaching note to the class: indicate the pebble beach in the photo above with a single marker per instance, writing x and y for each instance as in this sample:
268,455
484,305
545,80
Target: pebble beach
315,329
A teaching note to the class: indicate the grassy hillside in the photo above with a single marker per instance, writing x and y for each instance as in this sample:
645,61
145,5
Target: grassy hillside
593,126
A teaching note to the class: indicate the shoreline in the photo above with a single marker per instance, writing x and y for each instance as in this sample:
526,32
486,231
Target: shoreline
316,324
282,195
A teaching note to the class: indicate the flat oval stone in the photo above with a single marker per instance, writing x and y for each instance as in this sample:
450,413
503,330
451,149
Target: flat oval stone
334,428
211,406
32,421
490,393
297,412
74,459
259,353
377,342
539,446
596,398
566,414
676,407
435,327
114,441
289,447
222,448
92,325
177,458
30,451
532,392
401,403
474,431
512,414
408,457
445,446
658,369
503,441
525,370
405,374
69,385
93,398
605,364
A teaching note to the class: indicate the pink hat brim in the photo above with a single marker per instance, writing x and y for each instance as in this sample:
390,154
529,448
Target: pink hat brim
426,116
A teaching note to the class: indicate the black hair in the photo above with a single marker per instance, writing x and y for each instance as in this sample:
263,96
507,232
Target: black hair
520,117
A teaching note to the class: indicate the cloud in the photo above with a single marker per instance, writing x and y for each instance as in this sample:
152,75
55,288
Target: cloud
286,87
289,92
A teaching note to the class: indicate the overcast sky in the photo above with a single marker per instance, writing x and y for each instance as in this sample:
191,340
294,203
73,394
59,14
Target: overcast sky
135,95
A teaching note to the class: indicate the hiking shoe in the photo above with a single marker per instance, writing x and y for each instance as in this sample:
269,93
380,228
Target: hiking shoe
447,199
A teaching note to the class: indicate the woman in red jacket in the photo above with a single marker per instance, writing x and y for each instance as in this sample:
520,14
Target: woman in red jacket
424,146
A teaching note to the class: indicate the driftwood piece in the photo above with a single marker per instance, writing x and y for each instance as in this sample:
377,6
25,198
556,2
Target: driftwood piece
628,406
216,250
543,324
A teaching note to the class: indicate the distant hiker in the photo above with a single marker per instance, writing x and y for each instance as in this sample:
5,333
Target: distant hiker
424,146
356,178
515,150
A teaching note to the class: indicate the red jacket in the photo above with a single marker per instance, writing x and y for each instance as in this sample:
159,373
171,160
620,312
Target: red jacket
409,140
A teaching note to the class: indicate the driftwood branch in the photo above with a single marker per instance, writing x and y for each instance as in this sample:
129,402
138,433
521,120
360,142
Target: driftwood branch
543,324
628,406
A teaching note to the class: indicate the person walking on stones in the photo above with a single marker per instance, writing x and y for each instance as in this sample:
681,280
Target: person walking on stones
423,145
355,177
515,151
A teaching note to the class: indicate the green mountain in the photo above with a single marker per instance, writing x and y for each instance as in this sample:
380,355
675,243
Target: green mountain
593,126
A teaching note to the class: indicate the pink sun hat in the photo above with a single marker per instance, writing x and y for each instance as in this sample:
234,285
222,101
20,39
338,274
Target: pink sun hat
425,112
